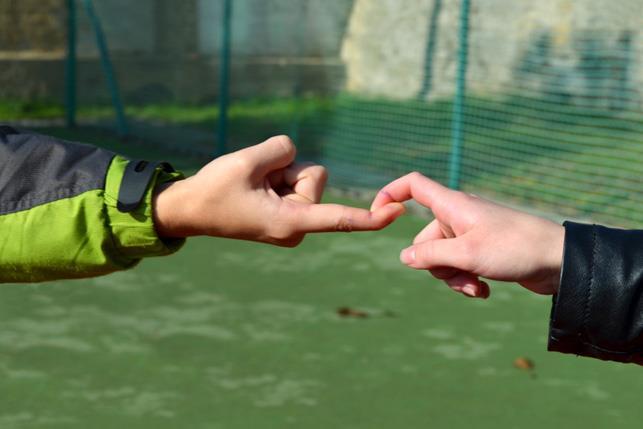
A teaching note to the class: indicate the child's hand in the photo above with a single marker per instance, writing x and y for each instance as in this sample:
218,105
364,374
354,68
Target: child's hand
259,194
471,238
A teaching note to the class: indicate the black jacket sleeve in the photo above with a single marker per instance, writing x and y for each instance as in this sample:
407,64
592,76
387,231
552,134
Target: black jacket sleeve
598,311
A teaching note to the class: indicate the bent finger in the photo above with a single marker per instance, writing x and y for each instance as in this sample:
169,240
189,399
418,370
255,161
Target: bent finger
469,285
444,273
307,180
432,231
415,186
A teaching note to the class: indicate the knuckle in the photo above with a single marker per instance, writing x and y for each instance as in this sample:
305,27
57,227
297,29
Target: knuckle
344,223
281,233
242,163
455,201
321,173
286,143
460,198
423,253
414,175
469,250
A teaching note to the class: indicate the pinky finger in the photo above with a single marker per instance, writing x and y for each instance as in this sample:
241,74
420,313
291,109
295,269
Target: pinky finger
469,285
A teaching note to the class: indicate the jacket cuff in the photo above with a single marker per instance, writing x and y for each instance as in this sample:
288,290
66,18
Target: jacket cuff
598,304
133,232
566,328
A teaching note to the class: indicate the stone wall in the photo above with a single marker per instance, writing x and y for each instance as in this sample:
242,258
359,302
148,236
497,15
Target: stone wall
283,28
387,43
165,50
33,25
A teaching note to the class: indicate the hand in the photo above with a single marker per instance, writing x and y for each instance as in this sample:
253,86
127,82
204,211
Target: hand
259,194
472,238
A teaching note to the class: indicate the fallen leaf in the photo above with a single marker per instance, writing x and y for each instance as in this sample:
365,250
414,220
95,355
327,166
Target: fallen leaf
351,312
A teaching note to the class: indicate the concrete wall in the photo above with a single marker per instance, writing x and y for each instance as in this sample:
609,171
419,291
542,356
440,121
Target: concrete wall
129,26
34,25
277,27
165,50
386,44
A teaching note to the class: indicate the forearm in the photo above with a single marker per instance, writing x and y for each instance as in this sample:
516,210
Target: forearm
58,211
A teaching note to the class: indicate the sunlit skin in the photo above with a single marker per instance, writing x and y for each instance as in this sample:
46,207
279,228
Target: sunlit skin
260,194
472,238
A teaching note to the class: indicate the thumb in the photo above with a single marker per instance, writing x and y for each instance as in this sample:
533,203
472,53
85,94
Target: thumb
273,154
447,252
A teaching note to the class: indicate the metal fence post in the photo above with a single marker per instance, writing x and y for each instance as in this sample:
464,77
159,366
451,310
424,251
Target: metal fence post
457,125
429,52
224,79
70,66
106,63
299,27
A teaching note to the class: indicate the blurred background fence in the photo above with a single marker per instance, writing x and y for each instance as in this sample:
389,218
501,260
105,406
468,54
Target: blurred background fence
535,103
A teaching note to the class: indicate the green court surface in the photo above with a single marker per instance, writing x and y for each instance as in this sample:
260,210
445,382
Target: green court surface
228,334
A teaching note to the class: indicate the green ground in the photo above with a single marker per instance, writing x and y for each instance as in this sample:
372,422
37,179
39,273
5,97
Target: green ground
228,334
237,335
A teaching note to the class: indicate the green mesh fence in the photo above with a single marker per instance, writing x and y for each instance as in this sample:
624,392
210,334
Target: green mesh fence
539,104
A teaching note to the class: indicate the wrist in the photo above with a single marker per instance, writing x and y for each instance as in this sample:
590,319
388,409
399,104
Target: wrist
169,208
555,254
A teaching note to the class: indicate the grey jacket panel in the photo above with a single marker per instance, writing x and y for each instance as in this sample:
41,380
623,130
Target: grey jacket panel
37,169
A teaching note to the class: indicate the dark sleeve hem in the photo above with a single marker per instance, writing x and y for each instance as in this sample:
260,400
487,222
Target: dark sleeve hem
570,304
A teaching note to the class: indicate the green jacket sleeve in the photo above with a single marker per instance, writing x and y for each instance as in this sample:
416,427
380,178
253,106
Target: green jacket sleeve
60,215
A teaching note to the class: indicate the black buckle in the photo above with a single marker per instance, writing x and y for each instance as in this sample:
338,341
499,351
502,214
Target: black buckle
136,178
6,130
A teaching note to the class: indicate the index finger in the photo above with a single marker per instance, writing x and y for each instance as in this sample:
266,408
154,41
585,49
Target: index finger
415,186
339,218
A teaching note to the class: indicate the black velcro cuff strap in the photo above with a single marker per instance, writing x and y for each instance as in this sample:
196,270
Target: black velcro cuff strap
6,130
136,179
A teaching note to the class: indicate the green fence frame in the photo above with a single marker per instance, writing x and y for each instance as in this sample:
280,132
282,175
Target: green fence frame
70,66
224,78
457,124
108,69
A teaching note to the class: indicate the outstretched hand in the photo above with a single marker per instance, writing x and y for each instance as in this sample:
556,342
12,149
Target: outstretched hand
472,238
260,194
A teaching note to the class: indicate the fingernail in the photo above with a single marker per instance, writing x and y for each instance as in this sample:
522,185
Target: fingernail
400,208
469,291
408,256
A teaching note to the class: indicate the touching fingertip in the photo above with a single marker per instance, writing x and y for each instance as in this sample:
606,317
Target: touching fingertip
387,214
380,200
399,208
